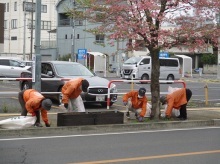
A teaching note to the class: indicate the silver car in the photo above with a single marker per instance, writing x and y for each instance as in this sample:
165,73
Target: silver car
11,68
97,91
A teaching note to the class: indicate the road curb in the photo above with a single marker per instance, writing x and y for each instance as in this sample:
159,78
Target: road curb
95,129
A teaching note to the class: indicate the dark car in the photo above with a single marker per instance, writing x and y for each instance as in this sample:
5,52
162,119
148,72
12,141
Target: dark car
97,91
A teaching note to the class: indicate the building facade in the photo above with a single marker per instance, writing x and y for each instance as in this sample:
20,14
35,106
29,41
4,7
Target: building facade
19,26
72,36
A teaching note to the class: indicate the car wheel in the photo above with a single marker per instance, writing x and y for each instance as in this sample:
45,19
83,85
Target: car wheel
104,104
144,77
170,77
25,86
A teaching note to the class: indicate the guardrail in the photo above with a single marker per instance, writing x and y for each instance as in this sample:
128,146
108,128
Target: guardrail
45,79
135,81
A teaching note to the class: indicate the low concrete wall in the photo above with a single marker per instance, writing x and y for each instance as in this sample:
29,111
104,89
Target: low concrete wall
209,69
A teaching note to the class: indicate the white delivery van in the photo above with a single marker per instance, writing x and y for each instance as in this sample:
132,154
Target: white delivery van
140,68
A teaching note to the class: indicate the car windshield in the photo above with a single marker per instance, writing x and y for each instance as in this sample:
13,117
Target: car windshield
72,70
133,60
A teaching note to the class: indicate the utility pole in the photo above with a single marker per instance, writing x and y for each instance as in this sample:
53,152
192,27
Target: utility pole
32,13
24,39
37,62
73,57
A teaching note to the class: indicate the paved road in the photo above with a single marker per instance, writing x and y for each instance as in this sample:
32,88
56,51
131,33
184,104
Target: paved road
197,146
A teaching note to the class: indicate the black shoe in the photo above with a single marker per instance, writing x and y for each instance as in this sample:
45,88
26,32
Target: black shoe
136,114
128,115
183,119
38,124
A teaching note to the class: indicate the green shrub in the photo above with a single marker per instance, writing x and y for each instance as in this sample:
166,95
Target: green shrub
65,57
209,59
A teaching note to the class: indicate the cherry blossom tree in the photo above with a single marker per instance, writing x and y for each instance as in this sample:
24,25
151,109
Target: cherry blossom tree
156,24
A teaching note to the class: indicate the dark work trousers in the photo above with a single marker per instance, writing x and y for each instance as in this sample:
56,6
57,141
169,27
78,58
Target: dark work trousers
183,112
24,110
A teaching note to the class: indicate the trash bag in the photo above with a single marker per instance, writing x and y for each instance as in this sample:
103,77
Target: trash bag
19,122
175,112
171,89
148,112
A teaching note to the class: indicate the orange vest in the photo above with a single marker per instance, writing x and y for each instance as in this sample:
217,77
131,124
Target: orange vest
175,100
71,89
136,102
33,99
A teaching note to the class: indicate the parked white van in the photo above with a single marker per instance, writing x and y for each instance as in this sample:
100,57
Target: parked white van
140,68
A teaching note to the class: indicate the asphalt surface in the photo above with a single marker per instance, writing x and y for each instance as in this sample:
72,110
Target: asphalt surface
197,117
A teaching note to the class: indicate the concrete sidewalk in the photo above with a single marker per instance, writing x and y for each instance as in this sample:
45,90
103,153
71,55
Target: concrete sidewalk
197,117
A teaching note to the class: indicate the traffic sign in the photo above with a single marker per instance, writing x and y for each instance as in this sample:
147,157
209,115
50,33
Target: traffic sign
82,53
164,55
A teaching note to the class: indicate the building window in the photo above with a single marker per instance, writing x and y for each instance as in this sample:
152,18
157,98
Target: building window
78,23
218,18
99,38
15,6
14,23
14,38
30,23
29,7
65,36
77,36
5,24
113,58
45,25
44,8
7,7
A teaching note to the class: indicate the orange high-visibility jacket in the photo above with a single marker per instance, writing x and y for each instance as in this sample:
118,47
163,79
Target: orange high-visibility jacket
71,89
175,100
33,99
136,102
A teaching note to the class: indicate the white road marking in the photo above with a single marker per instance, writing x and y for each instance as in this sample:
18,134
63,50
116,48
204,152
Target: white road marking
105,134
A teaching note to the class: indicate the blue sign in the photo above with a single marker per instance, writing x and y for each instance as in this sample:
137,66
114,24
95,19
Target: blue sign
163,55
82,53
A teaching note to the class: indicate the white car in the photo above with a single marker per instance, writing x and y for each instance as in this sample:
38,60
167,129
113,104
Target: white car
11,68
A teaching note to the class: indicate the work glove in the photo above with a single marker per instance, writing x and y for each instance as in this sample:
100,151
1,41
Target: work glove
140,119
47,124
66,105
125,103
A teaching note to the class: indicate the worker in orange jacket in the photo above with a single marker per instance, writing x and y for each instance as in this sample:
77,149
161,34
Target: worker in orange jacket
136,101
178,100
71,94
33,102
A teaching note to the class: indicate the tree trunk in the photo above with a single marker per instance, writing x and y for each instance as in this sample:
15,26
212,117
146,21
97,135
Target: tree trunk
155,85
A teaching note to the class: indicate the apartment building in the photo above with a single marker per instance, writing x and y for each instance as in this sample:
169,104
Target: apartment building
72,36
18,32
